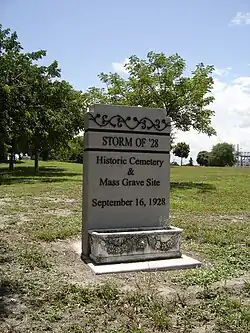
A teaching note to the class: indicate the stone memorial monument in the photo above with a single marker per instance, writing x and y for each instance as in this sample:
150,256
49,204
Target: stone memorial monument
127,186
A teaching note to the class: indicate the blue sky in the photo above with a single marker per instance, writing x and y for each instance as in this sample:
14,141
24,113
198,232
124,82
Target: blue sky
88,37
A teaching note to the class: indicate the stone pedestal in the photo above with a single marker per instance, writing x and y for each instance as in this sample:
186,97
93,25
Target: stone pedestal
128,245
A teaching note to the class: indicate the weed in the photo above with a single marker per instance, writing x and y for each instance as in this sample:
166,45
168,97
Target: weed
231,314
204,277
247,288
32,256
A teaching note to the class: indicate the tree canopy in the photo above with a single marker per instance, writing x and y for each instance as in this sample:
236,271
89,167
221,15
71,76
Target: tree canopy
37,109
181,150
203,158
222,154
159,81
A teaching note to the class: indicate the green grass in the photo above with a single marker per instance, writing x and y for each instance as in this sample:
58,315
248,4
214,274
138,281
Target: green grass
213,190
46,287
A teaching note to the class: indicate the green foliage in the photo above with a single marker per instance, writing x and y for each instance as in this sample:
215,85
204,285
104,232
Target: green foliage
204,277
222,154
203,158
247,288
158,81
38,112
232,315
73,151
181,150
3,151
16,79
95,95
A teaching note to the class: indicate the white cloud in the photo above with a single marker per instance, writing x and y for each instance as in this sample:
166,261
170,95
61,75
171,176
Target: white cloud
222,71
119,67
241,18
231,120
244,82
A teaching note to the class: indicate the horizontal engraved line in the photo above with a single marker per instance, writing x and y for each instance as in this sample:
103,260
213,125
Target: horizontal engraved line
102,130
127,151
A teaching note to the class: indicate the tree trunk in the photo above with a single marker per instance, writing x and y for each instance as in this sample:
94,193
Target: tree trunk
45,155
181,161
36,161
12,156
11,162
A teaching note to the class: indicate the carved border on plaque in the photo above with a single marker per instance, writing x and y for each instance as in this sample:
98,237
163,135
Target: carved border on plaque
129,122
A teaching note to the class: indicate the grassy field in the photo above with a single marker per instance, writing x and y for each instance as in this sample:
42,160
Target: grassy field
45,287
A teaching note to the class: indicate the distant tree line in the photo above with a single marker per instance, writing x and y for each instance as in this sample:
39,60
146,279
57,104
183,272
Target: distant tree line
221,155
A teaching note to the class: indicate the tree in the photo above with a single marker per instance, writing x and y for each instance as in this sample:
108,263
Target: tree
13,75
16,89
37,111
158,81
95,95
57,117
203,158
181,150
222,154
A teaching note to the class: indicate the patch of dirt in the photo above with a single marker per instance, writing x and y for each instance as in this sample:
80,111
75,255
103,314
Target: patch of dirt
69,262
58,212
167,291
234,218
4,219
17,219
23,218
40,198
211,217
56,200
209,328
234,284
4,201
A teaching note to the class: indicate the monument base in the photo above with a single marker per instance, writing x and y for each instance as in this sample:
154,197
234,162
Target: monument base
130,245
184,262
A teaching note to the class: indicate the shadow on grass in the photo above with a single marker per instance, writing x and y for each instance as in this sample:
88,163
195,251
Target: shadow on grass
203,187
8,289
15,163
28,175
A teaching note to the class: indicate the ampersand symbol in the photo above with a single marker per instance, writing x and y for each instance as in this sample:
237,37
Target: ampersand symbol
130,172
